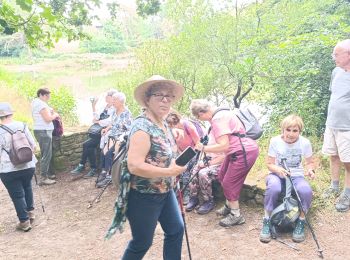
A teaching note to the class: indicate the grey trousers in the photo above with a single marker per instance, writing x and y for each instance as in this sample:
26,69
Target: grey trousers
44,138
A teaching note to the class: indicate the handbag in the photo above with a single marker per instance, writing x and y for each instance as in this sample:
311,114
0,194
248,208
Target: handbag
95,129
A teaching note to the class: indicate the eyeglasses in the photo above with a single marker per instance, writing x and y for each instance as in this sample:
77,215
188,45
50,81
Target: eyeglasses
160,97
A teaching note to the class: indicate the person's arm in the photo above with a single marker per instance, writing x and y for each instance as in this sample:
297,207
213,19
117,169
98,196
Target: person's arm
270,162
310,167
192,131
47,115
222,145
139,147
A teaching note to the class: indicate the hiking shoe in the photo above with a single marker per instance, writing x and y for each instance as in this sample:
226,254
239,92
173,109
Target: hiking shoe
330,192
223,211
265,233
24,226
90,174
52,177
104,182
206,207
299,231
31,216
343,203
193,202
101,176
79,169
46,181
231,220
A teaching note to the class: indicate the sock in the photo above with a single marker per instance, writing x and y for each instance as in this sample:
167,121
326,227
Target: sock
335,185
347,192
236,212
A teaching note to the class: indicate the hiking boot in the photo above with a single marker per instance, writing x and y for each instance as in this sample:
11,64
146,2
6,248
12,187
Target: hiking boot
193,202
104,182
101,176
206,207
46,181
299,231
90,174
231,220
265,233
31,216
343,203
24,226
52,177
330,192
223,211
79,169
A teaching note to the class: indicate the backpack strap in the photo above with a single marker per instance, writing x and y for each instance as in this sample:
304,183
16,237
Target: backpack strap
7,129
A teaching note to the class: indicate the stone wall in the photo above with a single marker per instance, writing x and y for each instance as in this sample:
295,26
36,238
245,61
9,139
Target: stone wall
67,154
67,151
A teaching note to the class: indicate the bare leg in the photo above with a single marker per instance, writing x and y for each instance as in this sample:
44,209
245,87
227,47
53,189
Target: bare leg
335,165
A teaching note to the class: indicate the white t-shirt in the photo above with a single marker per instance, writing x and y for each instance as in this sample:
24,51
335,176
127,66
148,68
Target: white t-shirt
294,153
39,122
5,143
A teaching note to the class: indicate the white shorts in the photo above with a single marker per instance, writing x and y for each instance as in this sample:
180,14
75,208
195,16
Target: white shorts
337,142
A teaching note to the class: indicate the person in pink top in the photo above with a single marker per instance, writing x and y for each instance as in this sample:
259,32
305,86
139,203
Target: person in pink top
186,135
240,155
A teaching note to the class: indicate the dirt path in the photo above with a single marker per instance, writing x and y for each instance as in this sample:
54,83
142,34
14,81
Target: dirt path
68,230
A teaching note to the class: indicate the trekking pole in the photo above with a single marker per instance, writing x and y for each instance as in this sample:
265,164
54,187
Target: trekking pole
99,195
183,219
39,193
319,250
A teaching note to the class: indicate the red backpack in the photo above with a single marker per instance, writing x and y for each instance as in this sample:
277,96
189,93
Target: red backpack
20,149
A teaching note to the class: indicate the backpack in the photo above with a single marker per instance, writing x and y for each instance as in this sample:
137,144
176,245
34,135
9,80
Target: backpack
249,121
58,127
20,149
284,216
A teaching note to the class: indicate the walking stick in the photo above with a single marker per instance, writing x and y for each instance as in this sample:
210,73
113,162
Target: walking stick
184,220
97,198
319,250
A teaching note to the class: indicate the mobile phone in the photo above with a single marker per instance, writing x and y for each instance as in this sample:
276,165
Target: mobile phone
185,156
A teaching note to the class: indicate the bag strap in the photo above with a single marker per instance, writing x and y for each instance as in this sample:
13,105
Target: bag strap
7,129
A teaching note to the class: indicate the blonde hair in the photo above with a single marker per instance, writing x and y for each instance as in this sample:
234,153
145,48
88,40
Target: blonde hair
200,106
292,120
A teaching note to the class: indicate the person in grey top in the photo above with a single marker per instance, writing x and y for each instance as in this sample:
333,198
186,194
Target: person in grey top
337,134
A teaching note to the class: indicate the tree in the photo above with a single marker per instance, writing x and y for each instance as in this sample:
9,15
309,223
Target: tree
45,22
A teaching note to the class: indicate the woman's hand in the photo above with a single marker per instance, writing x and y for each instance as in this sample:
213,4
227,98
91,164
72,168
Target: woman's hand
310,173
199,146
283,173
175,169
104,131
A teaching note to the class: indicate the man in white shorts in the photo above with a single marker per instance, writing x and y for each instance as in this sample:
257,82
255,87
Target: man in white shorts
337,134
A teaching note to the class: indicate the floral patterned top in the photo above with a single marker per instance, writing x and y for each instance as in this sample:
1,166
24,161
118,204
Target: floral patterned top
162,151
120,124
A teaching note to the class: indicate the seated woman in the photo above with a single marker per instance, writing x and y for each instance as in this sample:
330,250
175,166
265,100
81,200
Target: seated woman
293,147
121,122
89,146
185,134
240,155
201,185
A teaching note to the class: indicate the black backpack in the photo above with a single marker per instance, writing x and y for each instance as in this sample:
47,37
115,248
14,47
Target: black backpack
284,216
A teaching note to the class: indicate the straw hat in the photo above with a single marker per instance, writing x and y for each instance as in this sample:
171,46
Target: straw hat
140,92
5,109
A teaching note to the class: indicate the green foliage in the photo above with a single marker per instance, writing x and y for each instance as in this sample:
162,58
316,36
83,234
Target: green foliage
61,100
147,7
12,45
109,40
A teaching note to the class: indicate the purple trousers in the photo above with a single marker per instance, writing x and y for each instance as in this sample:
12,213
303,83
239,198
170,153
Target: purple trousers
234,171
274,188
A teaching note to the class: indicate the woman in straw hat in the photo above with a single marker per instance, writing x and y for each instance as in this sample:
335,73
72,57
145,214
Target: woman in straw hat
152,169
17,178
